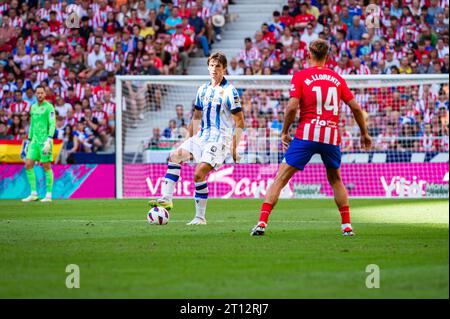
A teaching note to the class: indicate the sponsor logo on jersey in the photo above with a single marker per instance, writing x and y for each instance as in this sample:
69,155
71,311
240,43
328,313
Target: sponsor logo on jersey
318,122
214,100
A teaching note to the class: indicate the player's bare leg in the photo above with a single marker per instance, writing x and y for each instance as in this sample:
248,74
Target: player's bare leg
29,169
285,172
172,175
48,181
201,193
341,199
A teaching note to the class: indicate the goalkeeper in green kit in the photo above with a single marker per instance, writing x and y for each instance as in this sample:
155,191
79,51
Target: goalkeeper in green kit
38,147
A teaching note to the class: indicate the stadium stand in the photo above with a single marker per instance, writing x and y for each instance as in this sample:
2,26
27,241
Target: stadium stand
412,38
75,49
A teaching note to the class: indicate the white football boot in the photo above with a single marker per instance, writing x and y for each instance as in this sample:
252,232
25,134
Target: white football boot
197,221
347,230
47,198
259,229
31,198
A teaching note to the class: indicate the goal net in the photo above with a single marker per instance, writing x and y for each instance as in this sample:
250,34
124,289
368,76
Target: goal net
407,117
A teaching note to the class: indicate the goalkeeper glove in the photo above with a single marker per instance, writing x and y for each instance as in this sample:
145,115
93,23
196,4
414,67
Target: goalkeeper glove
47,146
24,150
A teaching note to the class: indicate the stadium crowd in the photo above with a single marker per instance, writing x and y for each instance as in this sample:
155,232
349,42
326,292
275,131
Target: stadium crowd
75,48
412,37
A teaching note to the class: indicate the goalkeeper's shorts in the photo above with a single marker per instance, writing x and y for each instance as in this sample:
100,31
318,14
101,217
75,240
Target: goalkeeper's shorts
35,152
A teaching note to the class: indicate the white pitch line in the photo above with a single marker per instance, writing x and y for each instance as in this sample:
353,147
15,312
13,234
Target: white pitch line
216,221
172,221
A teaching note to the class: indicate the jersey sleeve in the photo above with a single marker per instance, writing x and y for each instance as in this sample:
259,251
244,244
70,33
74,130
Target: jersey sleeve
198,98
295,90
347,95
232,100
51,121
31,131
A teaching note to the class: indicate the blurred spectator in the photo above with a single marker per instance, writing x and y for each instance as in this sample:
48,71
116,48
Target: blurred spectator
200,30
303,18
406,141
175,132
59,128
84,137
387,140
172,21
180,119
4,131
288,62
71,144
390,62
169,131
234,68
185,46
277,124
286,39
356,31
147,67
16,126
309,35
155,139
249,54
216,10
426,67
277,26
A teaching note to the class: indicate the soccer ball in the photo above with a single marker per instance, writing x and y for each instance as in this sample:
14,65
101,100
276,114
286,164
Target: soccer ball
158,216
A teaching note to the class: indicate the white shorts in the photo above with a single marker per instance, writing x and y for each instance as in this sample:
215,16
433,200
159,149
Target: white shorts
213,153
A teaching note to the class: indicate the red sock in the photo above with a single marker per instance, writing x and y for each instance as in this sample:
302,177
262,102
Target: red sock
265,212
345,214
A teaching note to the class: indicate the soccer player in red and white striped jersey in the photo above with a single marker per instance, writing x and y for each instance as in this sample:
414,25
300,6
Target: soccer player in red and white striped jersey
318,91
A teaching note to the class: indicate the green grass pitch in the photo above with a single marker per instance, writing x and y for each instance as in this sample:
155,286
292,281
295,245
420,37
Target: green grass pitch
302,255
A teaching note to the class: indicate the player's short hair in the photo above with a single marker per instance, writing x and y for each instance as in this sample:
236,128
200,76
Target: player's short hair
39,87
319,49
220,57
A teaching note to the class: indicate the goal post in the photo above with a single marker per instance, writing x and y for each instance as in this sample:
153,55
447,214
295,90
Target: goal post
404,113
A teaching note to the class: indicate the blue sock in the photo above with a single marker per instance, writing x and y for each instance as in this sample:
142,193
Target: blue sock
172,176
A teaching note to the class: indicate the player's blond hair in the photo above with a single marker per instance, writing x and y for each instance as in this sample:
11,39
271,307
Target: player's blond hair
319,49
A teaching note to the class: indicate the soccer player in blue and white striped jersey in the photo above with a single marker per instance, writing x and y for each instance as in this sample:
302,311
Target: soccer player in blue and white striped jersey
214,131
